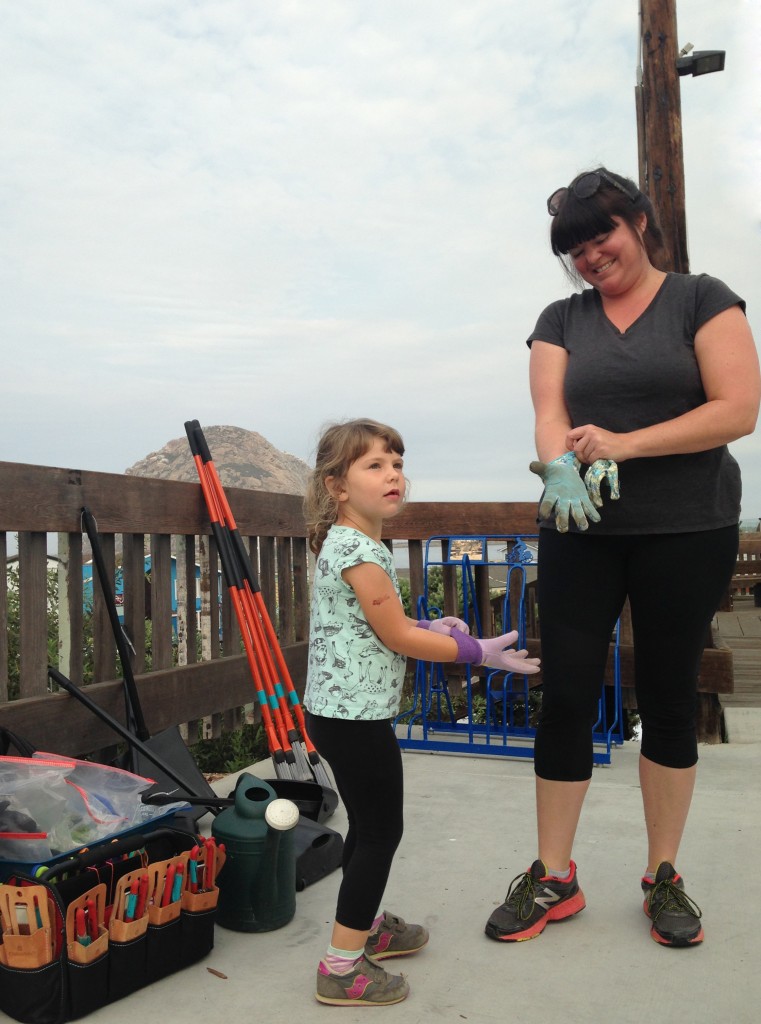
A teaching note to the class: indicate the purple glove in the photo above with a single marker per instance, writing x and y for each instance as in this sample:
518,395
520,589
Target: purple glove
491,653
445,625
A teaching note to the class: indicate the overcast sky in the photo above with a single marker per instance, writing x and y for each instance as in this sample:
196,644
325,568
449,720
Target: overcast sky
277,213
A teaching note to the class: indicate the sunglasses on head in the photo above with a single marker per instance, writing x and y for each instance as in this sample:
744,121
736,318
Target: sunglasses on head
585,187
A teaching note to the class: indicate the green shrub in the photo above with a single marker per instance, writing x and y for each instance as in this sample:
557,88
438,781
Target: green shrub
233,751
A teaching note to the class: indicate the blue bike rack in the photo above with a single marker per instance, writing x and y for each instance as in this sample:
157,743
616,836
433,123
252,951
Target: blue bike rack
430,724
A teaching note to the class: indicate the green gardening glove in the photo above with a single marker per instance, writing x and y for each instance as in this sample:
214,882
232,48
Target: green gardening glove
564,492
602,469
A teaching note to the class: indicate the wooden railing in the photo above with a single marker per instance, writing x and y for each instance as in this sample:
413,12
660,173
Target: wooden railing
200,674
747,572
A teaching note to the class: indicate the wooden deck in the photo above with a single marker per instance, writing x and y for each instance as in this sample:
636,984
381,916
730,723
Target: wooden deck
740,630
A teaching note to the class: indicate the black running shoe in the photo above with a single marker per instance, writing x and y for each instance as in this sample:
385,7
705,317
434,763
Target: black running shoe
533,899
675,917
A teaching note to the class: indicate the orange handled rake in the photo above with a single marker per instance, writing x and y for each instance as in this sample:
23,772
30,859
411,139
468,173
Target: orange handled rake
269,647
272,721
269,650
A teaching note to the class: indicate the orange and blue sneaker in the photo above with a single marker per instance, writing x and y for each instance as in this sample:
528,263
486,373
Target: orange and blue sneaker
675,917
366,984
394,937
534,899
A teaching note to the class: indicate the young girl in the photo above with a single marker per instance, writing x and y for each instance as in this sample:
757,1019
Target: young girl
359,641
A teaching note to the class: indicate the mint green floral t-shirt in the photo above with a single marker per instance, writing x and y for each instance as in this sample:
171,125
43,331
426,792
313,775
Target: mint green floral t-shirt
350,674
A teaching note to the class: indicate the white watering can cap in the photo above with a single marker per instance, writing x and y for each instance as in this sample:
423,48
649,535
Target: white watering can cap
282,814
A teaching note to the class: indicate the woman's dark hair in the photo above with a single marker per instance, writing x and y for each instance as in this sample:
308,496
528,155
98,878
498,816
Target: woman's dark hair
341,445
579,220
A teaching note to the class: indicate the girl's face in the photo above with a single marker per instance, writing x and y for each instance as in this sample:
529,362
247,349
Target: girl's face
372,490
612,263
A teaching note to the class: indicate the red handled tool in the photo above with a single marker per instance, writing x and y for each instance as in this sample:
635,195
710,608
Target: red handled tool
92,919
80,924
272,720
281,690
142,895
210,864
166,895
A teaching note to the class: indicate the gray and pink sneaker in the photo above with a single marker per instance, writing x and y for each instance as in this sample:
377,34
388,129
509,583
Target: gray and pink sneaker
394,937
366,984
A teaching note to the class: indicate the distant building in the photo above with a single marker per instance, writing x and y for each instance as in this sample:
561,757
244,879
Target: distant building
87,588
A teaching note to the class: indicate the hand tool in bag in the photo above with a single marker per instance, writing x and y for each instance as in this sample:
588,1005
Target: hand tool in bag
91,918
254,610
193,870
169,743
131,901
82,935
142,895
179,880
210,863
166,894
84,916
28,936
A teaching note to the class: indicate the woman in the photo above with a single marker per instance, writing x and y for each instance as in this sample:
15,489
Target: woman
653,372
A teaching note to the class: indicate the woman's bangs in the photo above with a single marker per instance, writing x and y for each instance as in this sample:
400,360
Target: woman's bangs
577,222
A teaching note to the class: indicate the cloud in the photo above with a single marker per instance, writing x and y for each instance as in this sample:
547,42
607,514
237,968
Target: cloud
276,214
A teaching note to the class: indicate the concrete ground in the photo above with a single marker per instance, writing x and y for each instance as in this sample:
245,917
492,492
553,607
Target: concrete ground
469,831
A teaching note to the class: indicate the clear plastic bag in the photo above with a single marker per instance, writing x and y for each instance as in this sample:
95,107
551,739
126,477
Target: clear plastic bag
50,805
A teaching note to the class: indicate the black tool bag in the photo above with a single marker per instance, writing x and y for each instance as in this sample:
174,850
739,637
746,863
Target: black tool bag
54,968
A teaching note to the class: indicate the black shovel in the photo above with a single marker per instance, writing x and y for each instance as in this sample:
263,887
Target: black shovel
176,786
169,747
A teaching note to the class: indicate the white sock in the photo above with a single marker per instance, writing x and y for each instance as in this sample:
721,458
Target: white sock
562,876
341,961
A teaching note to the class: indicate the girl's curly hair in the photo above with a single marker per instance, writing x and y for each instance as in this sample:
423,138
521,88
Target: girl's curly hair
341,445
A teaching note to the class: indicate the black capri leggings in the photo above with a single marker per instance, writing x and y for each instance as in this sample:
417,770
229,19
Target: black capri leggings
674,583
367,765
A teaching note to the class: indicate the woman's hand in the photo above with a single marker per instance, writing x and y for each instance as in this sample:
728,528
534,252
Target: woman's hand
590,443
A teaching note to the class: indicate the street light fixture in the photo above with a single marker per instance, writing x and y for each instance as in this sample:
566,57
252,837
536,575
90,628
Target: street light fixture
700,62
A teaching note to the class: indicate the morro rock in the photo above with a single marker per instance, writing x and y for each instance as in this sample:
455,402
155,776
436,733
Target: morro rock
243,458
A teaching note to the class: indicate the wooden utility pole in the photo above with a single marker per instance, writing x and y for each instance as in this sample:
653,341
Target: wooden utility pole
659,128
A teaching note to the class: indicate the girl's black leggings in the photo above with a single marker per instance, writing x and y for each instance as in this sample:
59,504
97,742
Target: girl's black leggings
367,766
674,583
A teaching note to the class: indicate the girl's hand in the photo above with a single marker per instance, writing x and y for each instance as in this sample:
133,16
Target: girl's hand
507,660
494,652
444,625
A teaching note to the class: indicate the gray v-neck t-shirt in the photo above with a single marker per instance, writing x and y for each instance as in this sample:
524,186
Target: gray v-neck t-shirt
627,380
